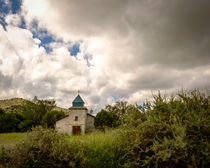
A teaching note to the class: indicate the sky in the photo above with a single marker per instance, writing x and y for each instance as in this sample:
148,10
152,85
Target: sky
109,50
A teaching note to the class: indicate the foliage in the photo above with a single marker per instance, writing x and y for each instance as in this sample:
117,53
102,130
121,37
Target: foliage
42,148
45,148
113,116
38,112
119,111
175,133
103,119
168,132
26,125
9,122
49,119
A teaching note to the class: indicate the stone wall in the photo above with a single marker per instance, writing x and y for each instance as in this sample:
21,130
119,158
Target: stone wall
62,125
90,123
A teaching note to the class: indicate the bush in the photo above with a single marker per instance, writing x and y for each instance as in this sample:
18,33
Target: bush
45,148
175,133
42,148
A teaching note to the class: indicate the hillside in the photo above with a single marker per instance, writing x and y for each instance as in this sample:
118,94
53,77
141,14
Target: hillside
13,105
16,105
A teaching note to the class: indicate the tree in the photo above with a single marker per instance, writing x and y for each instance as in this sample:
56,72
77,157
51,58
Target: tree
119,111
31,114
103,119
39,112
51,117
9,122
26,125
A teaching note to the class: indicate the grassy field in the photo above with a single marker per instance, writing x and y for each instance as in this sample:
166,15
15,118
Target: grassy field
69,151
97,140
97,137
9,139
93,139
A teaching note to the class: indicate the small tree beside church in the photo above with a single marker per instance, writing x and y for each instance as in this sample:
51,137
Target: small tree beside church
104,119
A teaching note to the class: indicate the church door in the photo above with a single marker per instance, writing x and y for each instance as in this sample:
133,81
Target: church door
76,130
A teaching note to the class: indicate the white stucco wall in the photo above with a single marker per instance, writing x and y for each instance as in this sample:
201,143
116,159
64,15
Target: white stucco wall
65,125
80,113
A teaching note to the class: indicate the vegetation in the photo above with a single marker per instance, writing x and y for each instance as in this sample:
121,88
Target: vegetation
12,105
103,119
28,114
167,132
45,148
172,132
113,116
11,139
9,121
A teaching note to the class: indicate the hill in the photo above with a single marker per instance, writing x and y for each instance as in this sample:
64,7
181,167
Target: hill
13,105
16,105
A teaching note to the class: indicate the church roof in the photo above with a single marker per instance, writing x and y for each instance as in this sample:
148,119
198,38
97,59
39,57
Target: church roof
78,101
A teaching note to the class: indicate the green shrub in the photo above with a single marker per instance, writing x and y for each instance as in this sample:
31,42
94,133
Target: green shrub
104,150
46,148
175,133
42,148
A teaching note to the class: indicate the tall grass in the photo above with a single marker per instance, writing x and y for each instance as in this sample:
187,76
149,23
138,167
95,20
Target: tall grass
101,149
45,148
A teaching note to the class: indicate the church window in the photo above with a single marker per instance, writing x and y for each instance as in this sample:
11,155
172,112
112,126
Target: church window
76,118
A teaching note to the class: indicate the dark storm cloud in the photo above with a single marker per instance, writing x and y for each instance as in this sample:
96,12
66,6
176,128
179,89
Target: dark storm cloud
176,33
152,81
91,16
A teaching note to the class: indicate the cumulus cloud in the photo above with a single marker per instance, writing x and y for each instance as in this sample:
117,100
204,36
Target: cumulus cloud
27,70
126,49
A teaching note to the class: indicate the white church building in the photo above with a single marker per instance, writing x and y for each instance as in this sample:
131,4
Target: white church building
78,121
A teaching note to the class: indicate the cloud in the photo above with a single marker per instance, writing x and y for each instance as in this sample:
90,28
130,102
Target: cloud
127,49
170,33
5,81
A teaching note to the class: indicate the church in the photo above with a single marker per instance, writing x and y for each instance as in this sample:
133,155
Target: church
78,121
